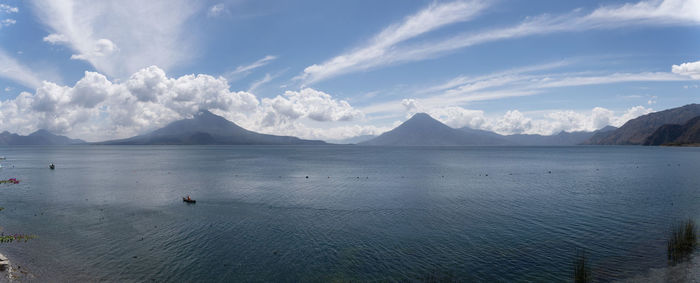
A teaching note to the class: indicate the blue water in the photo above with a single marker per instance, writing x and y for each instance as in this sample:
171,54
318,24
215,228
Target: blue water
364,213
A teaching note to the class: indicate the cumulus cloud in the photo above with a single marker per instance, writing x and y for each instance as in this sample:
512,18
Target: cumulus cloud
96,108
309,103
120,37
517,122
55,38
690,69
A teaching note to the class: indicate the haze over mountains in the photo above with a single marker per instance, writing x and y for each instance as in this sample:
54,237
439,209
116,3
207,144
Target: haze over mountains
676,126
423,130
40,137
207,128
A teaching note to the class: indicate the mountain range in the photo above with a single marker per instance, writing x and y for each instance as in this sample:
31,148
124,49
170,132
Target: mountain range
207,128
40,137
423,130
674,134
638,130
676,126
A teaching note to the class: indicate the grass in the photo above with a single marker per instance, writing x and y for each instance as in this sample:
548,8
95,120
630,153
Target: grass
682,241
582,269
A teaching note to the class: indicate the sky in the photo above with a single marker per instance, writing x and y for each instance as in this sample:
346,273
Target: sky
332,70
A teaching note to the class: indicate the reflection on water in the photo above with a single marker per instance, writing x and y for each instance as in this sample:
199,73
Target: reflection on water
471,213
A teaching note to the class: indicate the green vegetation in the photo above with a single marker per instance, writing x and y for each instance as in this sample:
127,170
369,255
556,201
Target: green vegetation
16,237
582,269
682,241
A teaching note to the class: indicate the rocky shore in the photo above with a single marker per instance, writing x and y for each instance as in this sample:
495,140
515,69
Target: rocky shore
10,273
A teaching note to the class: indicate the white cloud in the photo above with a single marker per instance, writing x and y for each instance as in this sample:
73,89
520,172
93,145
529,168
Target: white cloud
7,22
544,123
120,37
381,53
243,70
55,38
102,47
657,13
308,103
256,84
374,53
652,100
217,10
13,70
96,108
4,8
514,83
690,69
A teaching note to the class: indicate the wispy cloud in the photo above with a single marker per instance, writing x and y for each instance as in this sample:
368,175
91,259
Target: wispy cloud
7,22
13,70
257,64
657,13
217,10
243,70
385,49
375,52
518,84
514,83
256,84
4,8
120,37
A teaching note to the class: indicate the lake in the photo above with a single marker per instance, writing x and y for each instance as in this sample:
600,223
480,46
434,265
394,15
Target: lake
364,213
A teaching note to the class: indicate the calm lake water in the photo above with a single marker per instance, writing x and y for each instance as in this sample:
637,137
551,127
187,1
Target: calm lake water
364,213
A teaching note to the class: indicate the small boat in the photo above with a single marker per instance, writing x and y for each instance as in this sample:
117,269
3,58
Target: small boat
188,200
51,166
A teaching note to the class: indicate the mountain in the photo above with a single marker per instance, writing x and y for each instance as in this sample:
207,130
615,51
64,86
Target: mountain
423,130
673,134
40,137
353,140
207,128
561,139
636,131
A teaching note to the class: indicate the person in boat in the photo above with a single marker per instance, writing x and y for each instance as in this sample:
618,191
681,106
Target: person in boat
188,198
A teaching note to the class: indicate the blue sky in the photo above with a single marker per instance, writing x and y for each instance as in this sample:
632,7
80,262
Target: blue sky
337,69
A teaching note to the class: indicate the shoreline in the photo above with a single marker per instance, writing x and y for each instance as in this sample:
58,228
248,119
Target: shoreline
8,272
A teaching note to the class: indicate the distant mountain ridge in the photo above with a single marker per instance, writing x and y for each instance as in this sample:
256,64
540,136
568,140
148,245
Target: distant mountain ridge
207,128
423,130
40,137
353,140
561,139
638,130
673,134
